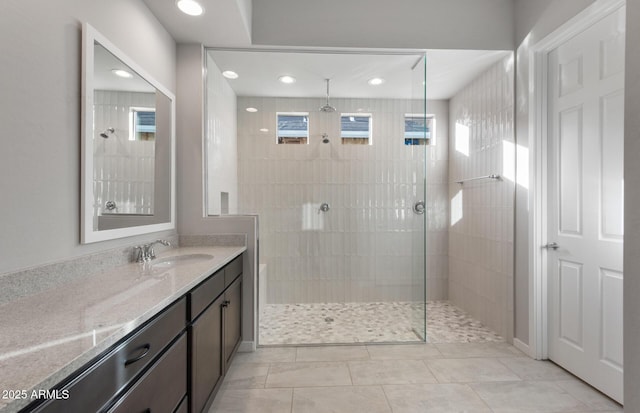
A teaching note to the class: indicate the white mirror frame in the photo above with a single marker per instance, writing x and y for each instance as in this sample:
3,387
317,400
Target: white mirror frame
87,232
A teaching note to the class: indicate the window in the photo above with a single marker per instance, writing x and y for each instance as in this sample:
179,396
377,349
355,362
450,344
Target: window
293,128
355,128
419,129
142,124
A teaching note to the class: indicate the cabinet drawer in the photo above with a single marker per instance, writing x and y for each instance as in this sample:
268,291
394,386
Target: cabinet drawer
205,293
162,388
92,389
232,270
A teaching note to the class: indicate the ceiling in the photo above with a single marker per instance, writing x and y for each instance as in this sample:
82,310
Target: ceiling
224,22
105,79
227,24
447,72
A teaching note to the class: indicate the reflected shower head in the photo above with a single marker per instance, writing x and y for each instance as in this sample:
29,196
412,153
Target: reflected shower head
107,132
327,107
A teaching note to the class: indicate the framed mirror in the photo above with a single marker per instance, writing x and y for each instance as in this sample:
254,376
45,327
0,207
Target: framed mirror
128,145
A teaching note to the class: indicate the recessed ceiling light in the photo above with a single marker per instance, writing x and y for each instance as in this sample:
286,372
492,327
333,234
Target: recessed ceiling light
376,81
287,79
230,74
252,110
122,73
264,130
190,7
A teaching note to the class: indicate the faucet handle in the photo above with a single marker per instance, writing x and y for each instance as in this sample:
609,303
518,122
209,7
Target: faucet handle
151,254
140,256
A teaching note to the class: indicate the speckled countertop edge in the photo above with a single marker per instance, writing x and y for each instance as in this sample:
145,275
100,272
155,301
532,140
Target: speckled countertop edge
199,273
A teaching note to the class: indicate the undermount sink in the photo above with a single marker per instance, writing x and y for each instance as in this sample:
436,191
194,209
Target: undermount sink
168,262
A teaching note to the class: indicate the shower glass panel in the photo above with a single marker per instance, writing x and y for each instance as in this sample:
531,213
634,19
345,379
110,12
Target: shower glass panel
342,226
421,212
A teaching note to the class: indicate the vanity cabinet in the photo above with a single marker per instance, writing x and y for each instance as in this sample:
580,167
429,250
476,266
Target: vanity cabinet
215,332
174,363
94,388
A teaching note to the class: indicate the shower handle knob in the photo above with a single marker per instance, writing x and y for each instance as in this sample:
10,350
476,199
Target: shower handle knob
418,207
324,207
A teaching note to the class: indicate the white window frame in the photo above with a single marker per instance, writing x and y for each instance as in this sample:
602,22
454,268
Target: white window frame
431,140
361,115
278,114
132,119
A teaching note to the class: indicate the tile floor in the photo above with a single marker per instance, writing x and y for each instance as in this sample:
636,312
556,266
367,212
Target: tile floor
402,378
375,322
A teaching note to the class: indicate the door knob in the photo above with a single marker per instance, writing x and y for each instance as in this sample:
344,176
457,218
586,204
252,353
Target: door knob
551,246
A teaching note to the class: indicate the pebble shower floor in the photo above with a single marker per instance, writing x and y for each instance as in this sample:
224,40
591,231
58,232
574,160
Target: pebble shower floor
382,322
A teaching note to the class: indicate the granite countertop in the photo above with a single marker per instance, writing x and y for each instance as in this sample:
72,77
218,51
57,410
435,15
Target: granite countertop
46,336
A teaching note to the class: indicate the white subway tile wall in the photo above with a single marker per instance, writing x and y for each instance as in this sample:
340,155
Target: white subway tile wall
369,246
124,170
482,212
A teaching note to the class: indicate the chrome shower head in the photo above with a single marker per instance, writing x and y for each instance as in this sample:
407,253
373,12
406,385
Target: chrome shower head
327,107
107,132
325,137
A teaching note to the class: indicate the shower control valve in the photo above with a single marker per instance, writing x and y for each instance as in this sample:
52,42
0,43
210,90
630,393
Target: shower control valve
324,207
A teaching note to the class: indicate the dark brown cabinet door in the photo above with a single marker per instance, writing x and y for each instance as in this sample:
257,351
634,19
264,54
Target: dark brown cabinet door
232,319
206,353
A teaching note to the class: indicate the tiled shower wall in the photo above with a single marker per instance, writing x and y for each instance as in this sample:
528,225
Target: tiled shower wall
482,211
370,245
124,169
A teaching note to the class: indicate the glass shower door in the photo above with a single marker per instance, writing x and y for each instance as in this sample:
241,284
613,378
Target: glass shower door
420,207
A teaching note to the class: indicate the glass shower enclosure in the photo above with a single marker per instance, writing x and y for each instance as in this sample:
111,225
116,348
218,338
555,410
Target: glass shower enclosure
340,192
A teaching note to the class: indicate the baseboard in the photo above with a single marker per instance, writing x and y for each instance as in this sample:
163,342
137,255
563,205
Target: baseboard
522,347
247,347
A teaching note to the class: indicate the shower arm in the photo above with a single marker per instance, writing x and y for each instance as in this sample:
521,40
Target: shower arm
328,80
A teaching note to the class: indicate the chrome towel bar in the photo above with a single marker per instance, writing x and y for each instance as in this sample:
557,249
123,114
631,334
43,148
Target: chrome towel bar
492,176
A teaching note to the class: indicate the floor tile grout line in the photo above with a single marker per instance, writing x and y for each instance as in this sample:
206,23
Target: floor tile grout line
292,398
430,370
486,403
350,374
512,370
386,397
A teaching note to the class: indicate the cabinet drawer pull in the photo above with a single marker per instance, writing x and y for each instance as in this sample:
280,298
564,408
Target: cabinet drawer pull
146,349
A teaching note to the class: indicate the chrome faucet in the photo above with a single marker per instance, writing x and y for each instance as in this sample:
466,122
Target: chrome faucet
146,252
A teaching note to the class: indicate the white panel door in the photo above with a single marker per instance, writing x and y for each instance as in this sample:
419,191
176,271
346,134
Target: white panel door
585,201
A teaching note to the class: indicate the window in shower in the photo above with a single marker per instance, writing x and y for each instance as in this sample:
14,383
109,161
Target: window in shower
355,128
419,129
142,123
293,127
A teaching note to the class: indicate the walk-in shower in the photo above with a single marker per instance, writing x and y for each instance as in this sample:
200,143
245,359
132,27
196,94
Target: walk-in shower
351,187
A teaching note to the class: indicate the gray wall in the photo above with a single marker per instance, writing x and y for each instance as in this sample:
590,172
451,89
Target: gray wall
435,24
538,18
632,212
40,117
534,21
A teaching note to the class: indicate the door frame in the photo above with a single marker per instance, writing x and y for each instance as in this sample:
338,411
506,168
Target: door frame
538,150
